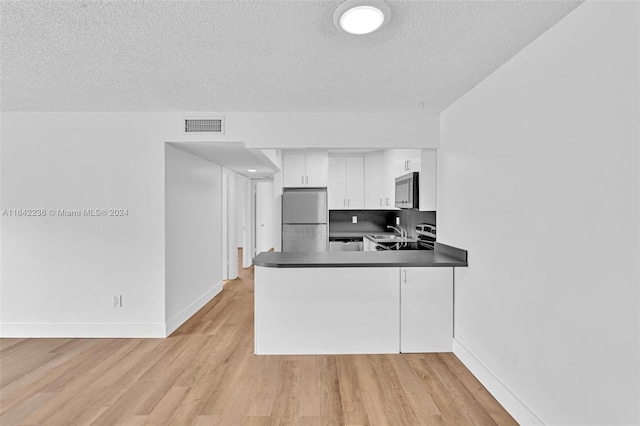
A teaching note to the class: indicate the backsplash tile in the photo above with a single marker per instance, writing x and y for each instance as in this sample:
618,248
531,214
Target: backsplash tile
377,220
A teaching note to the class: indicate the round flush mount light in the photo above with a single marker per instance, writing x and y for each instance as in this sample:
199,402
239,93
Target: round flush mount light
361,16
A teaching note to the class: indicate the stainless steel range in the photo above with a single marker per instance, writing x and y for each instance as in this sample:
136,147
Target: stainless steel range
426,235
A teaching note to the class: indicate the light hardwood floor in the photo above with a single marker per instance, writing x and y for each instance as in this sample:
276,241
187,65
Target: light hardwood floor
206,374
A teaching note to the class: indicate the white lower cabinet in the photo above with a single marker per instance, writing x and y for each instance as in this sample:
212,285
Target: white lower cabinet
353,310
426,310
326,310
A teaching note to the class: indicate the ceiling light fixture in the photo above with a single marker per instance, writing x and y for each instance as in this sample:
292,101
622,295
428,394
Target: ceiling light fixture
361,16
251,170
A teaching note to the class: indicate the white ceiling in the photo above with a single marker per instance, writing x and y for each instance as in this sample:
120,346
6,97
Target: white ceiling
255,55
233,156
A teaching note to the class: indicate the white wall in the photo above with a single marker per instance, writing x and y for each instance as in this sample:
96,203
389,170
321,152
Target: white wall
59,273
336,130
193,215
229,225
539,181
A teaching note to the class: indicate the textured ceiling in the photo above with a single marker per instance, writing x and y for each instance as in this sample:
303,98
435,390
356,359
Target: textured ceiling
255,55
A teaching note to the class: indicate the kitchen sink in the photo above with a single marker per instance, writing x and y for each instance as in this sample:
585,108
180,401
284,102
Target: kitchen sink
392,239
395,242
398,245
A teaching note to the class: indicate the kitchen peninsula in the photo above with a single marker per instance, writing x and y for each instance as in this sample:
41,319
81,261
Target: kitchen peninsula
355,302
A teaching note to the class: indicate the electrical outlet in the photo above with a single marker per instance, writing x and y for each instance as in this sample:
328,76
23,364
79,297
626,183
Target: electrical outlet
397,220
117,301
354,219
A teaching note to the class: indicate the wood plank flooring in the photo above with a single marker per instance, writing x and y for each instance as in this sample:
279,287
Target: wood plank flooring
206,374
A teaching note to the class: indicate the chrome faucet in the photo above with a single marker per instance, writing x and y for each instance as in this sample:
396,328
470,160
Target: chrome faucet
399,229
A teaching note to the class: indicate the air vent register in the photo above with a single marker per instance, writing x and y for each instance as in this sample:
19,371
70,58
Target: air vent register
204,125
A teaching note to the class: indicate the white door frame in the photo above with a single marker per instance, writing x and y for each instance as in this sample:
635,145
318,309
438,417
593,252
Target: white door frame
229,226
254,216
244,196
225,227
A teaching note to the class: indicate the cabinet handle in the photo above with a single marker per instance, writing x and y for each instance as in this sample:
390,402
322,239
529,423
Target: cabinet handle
408,164
405,276
344,202
380,202
347,202
307,179
302,179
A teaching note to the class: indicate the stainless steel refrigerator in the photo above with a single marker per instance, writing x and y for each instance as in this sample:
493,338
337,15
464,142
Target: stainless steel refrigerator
304,219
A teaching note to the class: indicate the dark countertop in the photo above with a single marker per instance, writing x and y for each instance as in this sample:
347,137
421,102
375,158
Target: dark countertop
363,259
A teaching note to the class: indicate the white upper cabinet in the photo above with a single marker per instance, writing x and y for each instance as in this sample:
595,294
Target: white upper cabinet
404,161
316,165
337,187
304,168
355,182
428,180
293,169
375,176
414,160
346,182
362,181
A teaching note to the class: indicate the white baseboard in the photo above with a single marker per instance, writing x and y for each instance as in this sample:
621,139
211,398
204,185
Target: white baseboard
180,318
518,410
80,330
106,330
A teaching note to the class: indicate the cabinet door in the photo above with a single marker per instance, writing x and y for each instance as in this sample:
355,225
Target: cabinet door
374,184
395,162
293,169
413,160
336,189
428,180
355,182
390,175
405,161
316,169
426,309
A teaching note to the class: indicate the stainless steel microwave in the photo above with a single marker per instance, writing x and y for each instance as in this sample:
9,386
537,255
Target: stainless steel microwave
407,191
